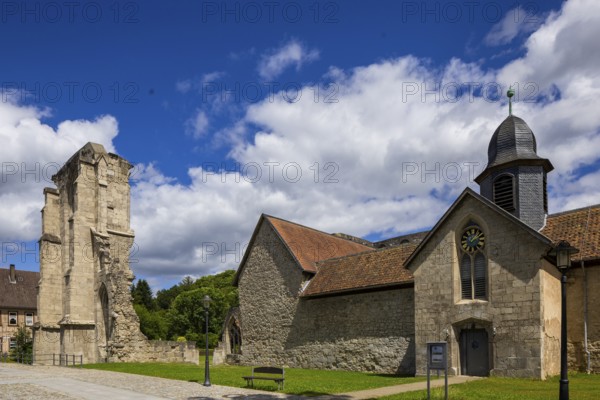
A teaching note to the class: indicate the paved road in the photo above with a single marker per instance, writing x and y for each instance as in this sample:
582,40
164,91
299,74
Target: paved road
22,382
59,383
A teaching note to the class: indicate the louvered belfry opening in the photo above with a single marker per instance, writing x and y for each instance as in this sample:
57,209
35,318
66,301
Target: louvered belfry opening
545,189
479,269
504,193
466,287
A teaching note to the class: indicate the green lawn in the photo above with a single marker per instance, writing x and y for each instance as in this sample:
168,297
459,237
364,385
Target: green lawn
297,381
315,382
581,387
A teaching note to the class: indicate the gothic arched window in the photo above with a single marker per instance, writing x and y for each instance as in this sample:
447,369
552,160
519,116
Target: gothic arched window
235,338
473,264
504,192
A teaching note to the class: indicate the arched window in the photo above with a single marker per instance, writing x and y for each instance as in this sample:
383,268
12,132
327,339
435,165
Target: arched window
473,264
504,192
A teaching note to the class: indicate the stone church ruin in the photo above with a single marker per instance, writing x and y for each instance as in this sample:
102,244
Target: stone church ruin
84,302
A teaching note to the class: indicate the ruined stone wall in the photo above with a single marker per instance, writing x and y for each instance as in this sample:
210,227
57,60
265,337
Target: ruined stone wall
46,332
366,332
575,320
511,315
84,300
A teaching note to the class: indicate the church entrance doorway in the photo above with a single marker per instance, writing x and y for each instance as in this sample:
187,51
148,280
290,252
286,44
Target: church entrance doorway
474,352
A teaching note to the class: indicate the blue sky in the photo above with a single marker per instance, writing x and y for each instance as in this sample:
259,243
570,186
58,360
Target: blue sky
367,118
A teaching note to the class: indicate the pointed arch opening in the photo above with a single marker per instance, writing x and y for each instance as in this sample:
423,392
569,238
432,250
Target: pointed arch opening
103,324
235,337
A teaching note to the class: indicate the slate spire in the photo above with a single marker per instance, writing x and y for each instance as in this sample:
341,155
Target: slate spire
515,176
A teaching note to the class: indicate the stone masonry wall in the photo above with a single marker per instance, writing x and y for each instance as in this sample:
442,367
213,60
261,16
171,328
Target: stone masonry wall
84,300
360,332
368,332
511,314
551,318
575,325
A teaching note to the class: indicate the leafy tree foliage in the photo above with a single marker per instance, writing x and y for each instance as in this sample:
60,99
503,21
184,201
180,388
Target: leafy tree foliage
153,324
24,345
142,294
179,311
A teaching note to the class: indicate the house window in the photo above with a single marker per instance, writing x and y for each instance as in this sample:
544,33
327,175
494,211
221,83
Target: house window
28,319
473,264
504,193
13,343
12,318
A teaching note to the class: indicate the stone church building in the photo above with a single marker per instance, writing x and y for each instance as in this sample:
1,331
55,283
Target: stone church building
481,279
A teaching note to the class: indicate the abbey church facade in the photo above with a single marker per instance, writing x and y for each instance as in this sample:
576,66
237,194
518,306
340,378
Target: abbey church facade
481,279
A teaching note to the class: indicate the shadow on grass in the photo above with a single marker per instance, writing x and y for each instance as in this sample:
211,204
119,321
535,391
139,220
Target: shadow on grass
313,395
395,376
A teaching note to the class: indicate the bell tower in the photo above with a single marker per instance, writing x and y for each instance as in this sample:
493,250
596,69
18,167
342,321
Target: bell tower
515,176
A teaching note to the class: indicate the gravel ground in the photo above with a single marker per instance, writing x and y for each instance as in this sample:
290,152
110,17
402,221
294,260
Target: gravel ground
60,383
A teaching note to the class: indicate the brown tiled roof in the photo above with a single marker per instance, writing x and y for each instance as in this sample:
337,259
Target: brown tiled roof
414,238
375,269
19,295
580,227
309,245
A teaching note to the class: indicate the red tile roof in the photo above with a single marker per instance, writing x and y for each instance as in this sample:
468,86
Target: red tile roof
363,271
580,227
309,245
343,265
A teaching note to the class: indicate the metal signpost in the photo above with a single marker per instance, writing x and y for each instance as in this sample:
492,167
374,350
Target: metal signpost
437,359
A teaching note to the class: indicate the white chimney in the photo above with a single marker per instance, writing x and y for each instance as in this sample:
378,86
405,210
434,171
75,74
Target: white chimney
13,275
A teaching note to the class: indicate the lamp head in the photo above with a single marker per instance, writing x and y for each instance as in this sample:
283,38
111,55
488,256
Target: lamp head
563,251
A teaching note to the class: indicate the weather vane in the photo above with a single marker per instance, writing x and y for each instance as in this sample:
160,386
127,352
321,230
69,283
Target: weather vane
510,94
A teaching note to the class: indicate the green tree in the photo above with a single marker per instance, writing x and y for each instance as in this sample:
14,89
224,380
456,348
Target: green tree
187,315
24,345
179,312
153,324
187,283
142,294
165,297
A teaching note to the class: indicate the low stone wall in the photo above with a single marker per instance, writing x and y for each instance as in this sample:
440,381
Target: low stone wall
169,351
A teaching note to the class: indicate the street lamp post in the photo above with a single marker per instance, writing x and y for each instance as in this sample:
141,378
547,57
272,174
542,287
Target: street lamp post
206,302
562,251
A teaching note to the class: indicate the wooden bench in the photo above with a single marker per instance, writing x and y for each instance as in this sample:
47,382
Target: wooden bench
267,373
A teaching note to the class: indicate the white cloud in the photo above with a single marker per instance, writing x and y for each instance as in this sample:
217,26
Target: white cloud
212,76
390,151
293,53
517,21
183,86
31,153
382,159
186,85
197,125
